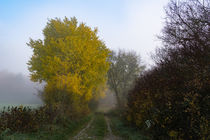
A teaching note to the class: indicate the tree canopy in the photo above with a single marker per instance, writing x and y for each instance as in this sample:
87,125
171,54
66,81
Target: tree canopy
71,59
124,69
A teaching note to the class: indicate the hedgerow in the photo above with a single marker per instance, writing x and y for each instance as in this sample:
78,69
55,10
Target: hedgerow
174,96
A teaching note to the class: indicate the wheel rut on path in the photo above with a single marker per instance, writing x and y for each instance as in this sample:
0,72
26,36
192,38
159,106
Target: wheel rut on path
110,135
82,133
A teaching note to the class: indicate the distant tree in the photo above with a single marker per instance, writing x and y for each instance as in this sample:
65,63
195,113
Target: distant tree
72,60
124,69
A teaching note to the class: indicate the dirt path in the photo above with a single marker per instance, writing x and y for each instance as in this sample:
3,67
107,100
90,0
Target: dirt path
81,135
110,136
84,135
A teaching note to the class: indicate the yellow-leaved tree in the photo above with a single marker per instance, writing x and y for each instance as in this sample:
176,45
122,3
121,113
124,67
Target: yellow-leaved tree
72,61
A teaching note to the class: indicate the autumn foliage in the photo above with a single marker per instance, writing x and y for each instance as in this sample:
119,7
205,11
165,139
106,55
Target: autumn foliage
174,95
72,61
26,119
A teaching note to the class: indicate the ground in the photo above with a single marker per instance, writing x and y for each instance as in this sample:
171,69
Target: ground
98,128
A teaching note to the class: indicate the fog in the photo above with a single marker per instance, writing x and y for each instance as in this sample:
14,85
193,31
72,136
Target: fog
18,89
108,102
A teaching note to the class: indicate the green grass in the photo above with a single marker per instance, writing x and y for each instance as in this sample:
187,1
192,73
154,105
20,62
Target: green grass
51,132
122,129
98,129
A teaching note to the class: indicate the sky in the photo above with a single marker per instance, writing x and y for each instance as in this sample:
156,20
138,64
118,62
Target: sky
122,24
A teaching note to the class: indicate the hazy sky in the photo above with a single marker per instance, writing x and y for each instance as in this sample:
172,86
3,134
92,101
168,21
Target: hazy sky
126,24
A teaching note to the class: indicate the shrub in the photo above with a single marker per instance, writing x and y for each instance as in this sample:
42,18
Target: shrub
174,95
25,119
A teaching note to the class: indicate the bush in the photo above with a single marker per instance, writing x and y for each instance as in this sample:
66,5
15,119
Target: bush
25,119
174,95
93,104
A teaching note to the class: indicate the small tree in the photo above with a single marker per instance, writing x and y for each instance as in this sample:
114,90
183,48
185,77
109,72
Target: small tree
72,60
124,69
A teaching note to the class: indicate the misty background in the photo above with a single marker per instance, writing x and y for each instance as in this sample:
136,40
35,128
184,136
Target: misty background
18,89
126,24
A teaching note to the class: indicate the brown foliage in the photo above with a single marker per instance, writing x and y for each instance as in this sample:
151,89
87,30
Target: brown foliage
25,119
174,95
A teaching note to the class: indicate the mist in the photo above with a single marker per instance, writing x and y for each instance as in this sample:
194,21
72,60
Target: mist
18,89
108,102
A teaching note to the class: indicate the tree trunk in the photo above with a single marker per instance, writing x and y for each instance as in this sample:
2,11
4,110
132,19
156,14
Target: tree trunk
118,98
